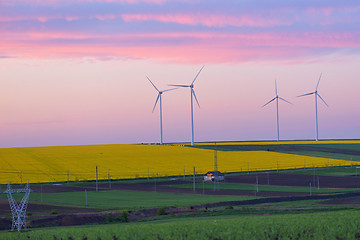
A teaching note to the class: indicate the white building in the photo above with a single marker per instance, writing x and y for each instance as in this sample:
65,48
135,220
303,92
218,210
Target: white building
214,176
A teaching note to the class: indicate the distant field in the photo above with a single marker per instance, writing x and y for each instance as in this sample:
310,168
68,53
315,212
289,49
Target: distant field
339,172
320,142
348,150
77,163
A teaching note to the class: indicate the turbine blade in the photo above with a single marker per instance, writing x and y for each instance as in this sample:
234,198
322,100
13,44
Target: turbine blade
276,88
175,85
317,85
306,94
193,92
285,100
323,100
170,89
153,84
269,102
157,99
197,74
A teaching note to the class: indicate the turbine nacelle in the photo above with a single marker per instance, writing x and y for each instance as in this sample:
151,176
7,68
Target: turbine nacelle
315,92
276,97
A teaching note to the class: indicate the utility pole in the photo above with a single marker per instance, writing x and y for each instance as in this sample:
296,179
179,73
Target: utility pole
215,159
194,180
314,176
96,178
215,167
86,200
155,182
109,177
203,187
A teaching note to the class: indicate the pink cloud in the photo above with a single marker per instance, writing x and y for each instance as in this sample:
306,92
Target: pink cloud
195,47
105,17
327,11
207,19
72,18
51,2
42,18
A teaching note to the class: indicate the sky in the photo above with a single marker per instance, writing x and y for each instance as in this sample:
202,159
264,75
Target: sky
74,71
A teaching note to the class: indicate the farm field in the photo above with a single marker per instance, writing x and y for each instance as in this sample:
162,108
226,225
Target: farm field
340,172
346,150
266,188
124,200
320,142
328,225
78,163
151,178
282,195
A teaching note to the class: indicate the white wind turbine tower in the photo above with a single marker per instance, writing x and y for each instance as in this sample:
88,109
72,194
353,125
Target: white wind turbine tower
157,99
277,108
192,93
316,110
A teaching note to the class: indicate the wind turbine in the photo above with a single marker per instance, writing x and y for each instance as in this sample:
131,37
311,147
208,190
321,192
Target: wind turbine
157,99
192,93
277,108
316,110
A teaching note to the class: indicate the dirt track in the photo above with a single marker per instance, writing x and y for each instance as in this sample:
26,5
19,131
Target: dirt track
44,209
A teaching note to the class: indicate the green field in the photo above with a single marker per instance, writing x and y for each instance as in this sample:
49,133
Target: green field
129,199
329,225
267,188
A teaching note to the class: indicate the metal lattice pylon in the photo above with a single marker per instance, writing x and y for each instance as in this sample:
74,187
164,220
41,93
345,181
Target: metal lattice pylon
18,210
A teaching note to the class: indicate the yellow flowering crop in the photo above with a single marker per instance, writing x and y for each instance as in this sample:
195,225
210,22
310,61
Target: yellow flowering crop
54,164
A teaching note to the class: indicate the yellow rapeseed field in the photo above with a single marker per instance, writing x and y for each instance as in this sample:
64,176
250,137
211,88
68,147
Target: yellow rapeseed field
55,164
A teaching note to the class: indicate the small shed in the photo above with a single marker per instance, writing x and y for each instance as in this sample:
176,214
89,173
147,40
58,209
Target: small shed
214,176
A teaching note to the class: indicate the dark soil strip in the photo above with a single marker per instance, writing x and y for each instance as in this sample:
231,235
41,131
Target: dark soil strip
281,179
35,208
278,199
349,200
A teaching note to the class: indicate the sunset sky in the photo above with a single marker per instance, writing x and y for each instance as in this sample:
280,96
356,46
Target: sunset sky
74,71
